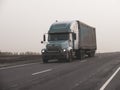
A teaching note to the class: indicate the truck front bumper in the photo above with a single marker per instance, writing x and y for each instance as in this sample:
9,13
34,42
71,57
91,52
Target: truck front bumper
54,55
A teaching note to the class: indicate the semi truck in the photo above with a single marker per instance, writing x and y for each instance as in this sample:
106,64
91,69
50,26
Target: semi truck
66,40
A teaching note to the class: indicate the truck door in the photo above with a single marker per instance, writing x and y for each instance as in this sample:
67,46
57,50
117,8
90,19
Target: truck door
72,40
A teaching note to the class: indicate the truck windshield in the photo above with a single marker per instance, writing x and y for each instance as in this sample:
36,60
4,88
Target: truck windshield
58,36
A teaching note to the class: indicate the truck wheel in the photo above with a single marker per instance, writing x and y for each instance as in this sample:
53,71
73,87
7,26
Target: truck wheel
45,60
82,54
91,54
69,57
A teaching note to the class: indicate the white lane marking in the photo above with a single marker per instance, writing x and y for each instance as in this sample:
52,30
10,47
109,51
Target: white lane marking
42,71
108,81
16,66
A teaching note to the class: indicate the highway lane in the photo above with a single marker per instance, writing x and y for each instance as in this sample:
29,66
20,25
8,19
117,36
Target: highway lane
88,74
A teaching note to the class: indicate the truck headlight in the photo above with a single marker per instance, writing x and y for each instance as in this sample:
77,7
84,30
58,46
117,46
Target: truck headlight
43,51
64,50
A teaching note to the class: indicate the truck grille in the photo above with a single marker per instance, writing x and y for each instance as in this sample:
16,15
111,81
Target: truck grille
53,48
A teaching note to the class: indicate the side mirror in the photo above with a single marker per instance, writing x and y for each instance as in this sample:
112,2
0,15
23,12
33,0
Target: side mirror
41,41
44,38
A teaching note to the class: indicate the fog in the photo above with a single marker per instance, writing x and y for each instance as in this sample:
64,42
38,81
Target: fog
23,22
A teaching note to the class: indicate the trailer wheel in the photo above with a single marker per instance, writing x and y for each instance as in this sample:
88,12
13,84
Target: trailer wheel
82,54
91,54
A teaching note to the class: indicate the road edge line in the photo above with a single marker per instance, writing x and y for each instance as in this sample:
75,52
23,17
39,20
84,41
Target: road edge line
108,81
21,65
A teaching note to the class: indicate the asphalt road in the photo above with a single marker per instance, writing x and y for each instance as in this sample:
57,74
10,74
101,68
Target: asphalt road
89,74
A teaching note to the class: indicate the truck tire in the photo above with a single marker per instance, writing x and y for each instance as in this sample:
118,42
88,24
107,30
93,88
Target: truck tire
80,54
91,54
69,56
45,60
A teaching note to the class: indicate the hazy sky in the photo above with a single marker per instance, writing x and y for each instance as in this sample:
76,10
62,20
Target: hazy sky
23,22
